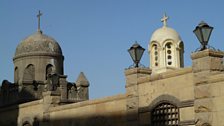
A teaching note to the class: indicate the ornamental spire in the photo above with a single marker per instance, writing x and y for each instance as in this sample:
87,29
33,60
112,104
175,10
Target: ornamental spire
164,20
38,16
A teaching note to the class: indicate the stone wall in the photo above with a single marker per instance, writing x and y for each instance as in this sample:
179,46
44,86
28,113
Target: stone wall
8,116
30,111
16,115
208,85
108,111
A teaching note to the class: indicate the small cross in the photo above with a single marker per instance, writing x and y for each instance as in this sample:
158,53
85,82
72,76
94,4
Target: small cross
38,16
164,20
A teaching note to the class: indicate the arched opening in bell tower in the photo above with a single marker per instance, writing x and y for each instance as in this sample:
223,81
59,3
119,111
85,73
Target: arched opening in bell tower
29,73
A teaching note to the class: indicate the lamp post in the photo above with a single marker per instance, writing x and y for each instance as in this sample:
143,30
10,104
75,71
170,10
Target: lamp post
136,52
203,32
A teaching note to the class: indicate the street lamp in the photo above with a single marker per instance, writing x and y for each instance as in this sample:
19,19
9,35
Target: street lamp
203,32
136,52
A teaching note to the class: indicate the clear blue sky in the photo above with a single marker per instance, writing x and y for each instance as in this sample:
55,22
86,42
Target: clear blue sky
95,34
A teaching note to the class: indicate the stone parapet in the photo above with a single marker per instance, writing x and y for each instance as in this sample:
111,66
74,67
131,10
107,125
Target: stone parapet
165,75
63,87
133,74
137,70
88,102
23,105
207,52
207,60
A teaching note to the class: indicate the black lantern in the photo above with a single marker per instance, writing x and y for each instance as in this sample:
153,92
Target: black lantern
203,32
136,52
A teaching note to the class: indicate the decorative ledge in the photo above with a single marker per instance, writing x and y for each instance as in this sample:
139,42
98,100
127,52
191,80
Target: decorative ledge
138,70
187,122
207,52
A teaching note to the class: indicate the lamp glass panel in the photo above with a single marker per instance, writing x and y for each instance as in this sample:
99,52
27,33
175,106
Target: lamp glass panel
198,33
132,54
139,53
206,34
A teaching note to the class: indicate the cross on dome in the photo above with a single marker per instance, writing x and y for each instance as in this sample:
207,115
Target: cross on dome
164,20
38,16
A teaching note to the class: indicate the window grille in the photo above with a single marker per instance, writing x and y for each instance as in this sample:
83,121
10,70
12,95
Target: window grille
165,114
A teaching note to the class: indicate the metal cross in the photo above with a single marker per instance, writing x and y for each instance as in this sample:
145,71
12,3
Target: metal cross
38,16
164,20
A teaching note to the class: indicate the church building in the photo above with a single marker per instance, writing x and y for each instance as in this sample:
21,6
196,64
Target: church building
163,94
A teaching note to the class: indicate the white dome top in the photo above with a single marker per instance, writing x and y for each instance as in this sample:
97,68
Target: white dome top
165,33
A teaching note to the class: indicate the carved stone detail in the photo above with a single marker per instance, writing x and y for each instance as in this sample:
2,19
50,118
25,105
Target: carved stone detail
131,105
203,119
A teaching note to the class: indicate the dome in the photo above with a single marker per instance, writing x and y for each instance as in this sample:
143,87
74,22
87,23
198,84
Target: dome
164,33
38,43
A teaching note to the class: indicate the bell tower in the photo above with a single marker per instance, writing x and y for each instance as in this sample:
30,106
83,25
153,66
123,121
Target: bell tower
165,49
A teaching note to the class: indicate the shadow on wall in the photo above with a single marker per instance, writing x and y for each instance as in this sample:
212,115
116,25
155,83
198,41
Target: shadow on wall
10,98
146,116
88,120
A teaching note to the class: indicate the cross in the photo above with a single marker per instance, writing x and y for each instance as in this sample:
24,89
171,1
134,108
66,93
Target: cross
164,20
38,16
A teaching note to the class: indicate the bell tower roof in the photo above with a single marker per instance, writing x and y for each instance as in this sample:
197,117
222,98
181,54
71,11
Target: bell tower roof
82,80
38,44
165,32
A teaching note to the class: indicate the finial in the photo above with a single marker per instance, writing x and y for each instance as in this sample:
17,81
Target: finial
82,80
38,16
164,20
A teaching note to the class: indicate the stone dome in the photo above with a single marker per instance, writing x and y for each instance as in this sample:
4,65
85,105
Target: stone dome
38,43
165,33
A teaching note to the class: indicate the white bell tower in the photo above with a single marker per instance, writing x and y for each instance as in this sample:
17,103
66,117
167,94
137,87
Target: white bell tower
166,49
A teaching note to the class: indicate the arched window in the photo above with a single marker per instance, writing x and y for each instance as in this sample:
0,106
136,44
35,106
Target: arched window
181,46
155,55
26,123
49,70
169,53
29,73
16,75
165,114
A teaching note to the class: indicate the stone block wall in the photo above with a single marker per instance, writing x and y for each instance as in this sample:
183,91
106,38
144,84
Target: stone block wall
108,111
208,80
175,87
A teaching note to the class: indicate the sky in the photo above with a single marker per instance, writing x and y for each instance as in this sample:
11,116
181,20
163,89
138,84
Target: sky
95,34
